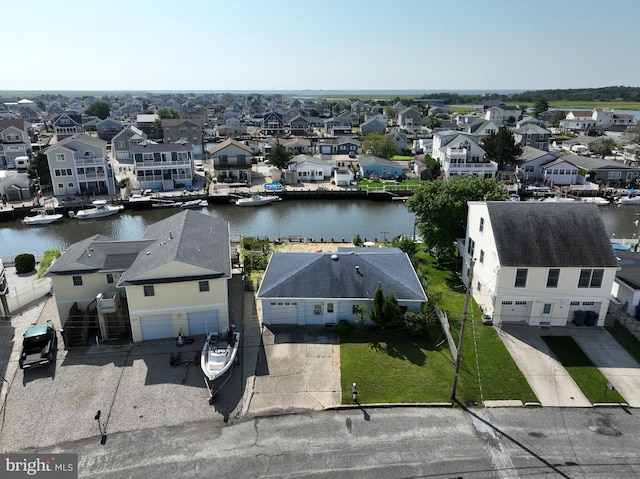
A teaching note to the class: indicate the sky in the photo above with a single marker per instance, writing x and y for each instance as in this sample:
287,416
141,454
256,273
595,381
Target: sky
257,45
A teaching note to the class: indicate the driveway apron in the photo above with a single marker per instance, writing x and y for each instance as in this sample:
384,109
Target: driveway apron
549,380
620,369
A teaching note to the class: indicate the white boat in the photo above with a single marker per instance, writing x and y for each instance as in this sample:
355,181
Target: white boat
631,199
42,218
194,204
100,211
598,200
256,200
218,353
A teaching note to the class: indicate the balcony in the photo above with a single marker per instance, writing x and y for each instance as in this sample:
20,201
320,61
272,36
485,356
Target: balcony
161,164
92,176
81,160
457,153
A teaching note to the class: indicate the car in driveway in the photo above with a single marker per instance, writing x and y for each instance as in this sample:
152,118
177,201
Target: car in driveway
39,346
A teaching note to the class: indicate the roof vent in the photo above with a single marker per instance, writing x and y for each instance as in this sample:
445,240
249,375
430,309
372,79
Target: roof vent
334,257
358,271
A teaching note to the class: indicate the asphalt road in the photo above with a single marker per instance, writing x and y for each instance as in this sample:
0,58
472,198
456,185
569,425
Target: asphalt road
378,443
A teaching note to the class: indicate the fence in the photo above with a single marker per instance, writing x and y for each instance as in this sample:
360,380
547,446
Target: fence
19,297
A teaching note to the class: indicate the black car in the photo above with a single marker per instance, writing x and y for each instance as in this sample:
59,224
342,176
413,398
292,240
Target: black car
39,346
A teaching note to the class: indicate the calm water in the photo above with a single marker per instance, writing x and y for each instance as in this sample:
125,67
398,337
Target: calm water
315,219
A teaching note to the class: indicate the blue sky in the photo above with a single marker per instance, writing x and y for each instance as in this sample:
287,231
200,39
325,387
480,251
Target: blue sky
328,45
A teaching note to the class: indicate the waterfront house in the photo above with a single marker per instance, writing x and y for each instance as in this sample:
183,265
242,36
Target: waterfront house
323,288
530,164
79,165
538,263
163,166
14,141
373,166
232,161
310,168
561,172
607,172
460,154
173,280
123,140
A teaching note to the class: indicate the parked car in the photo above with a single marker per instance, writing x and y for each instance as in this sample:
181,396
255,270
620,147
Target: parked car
39,346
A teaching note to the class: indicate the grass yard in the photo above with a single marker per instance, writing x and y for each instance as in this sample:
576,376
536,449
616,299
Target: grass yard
588,378
411,183
398,368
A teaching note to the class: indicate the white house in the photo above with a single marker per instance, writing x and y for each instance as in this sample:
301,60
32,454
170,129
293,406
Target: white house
538,263
460,154
79,165
310,168
502,114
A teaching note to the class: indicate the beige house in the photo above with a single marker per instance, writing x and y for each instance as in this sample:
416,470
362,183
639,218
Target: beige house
232,161
173,280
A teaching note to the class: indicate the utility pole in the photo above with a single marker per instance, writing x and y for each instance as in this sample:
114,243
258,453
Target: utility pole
462,326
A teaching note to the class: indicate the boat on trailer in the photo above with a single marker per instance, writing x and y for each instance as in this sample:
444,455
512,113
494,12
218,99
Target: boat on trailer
219,353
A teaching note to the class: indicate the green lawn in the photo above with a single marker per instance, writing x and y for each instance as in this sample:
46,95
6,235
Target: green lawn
398,368
411,183
626,339
588,378
402,157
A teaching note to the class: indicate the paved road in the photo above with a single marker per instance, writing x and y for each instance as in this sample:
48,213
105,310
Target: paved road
378,443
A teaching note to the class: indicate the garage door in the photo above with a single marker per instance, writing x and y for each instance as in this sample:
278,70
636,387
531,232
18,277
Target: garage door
514,311
283,312
203,322
156,327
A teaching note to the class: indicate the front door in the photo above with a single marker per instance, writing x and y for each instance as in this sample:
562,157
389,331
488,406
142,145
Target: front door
547,312
330,314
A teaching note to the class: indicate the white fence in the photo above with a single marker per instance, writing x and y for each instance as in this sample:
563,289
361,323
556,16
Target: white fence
19,297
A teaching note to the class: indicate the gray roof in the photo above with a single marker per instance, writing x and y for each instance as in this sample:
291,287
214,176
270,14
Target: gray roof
187,237
346,274
149,147
539,234
376,160
630,269
530,153
590,163
98,253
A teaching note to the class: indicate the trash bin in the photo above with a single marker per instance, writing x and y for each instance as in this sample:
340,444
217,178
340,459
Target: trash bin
579,317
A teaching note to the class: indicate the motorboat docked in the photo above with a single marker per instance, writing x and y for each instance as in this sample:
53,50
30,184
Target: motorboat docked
255,200
219,353
621,247
194,204
598,200
632,198
42,218
100,211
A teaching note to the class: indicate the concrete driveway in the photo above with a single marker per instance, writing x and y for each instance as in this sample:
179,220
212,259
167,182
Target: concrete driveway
620,369
549,380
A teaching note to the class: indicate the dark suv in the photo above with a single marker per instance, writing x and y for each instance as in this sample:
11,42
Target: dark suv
39,346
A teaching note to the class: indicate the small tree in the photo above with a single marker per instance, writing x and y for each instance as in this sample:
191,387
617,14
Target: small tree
375,314
433,121
379,145
99,108
405,244
278,156
357,241
391,312
359,311
603,147
540,106
25,263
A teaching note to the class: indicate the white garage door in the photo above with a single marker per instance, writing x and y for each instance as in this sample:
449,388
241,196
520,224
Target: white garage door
514,311
203,322
283,312
156,327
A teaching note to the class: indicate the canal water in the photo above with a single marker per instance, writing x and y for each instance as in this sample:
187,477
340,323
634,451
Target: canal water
326,220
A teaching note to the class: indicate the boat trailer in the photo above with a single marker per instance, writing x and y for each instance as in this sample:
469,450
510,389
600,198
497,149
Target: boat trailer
176,358
213,392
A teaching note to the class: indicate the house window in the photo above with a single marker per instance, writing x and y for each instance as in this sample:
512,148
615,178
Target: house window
481,225
546,309
204,286
478,286
481,256
109,278
329,307
590,278
70,185
521,278
59,156
148,290
471,247
553,277
77,280
60,186
317,309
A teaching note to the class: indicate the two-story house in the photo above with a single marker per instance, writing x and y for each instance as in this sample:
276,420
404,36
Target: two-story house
532,135
232,161
183,131
67,125
503,115
121,143
530,164
163,166
410,118
79,165
537,263
174,280
14,141
460,154
272,124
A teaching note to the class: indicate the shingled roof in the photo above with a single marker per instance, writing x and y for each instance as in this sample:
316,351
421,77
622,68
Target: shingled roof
539,234
346,274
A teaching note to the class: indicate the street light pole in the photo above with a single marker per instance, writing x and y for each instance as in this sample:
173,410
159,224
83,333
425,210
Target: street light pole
462,326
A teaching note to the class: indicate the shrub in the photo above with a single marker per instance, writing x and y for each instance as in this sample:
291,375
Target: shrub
343,327
357,240
25,263
48,257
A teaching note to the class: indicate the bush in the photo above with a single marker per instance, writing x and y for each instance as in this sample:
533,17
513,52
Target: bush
25,263
48,257
357,240
343,327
